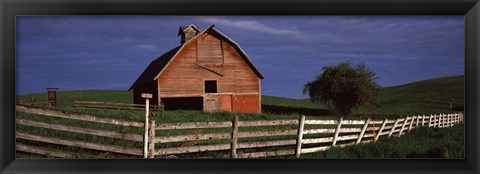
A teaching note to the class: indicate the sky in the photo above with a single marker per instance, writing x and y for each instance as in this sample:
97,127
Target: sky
110,52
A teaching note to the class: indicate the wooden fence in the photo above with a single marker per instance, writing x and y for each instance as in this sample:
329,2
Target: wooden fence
239,139
342,133
75,129
110,105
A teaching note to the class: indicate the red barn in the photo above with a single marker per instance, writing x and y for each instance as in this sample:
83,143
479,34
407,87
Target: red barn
208,71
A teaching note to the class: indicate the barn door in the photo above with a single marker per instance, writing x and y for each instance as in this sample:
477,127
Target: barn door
211,103
246,103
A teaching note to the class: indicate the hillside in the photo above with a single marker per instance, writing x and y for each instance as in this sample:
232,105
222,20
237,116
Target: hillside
422,97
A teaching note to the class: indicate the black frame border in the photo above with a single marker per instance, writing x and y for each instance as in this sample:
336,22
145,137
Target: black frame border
11,8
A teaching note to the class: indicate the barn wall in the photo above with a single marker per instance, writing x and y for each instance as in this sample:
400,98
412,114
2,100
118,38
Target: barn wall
184,76
246,103
147,88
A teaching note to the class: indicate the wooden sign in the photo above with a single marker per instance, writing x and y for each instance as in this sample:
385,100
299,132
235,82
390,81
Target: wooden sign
147,95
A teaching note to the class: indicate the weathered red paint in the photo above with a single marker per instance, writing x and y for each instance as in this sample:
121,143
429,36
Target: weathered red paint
209,56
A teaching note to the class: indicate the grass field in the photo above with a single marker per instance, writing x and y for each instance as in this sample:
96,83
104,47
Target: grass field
424,97
422,142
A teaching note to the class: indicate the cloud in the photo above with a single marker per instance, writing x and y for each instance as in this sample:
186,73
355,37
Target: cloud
250,25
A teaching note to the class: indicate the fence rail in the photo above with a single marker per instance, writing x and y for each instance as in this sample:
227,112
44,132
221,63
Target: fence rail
245,139
110,105
75,129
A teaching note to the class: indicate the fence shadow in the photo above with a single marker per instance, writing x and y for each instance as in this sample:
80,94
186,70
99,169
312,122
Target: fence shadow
290,110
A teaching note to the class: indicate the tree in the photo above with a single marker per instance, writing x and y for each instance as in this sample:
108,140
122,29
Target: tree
344,87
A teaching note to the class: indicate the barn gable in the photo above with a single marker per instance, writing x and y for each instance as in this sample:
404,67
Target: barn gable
156,67
208,71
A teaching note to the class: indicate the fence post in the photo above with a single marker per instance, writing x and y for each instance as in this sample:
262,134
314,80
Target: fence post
449,117
418,120
435,120
145,137
363,131
393,128
439,120
448,120
430,121
403,126
443,120
423,120
301,123
380,131
337,130
456,118
452,118
439,117
411,123
234,136
151,144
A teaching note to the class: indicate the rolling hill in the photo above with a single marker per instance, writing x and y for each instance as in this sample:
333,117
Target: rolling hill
422,97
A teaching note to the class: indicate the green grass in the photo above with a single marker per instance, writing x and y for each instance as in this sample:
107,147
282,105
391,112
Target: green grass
422,142
424,97
288,102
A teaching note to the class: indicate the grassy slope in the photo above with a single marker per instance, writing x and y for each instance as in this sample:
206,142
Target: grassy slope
428,95
422,97
422,142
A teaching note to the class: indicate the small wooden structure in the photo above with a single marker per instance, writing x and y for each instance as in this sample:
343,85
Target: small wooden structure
52,96
208,71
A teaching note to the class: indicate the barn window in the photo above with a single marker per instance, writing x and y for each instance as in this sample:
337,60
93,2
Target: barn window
210,86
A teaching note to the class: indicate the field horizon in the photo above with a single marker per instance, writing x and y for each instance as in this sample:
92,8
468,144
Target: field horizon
420,97
424,97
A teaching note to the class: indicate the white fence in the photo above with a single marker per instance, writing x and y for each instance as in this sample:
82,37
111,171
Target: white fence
277,137
369,131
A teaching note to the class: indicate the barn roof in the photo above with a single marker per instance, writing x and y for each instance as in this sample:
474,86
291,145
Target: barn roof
156,67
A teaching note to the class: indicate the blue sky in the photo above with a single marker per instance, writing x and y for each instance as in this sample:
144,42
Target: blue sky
110,52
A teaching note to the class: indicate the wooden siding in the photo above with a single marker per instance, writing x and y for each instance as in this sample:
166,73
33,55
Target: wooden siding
184,76
246,103
226,103
209,51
